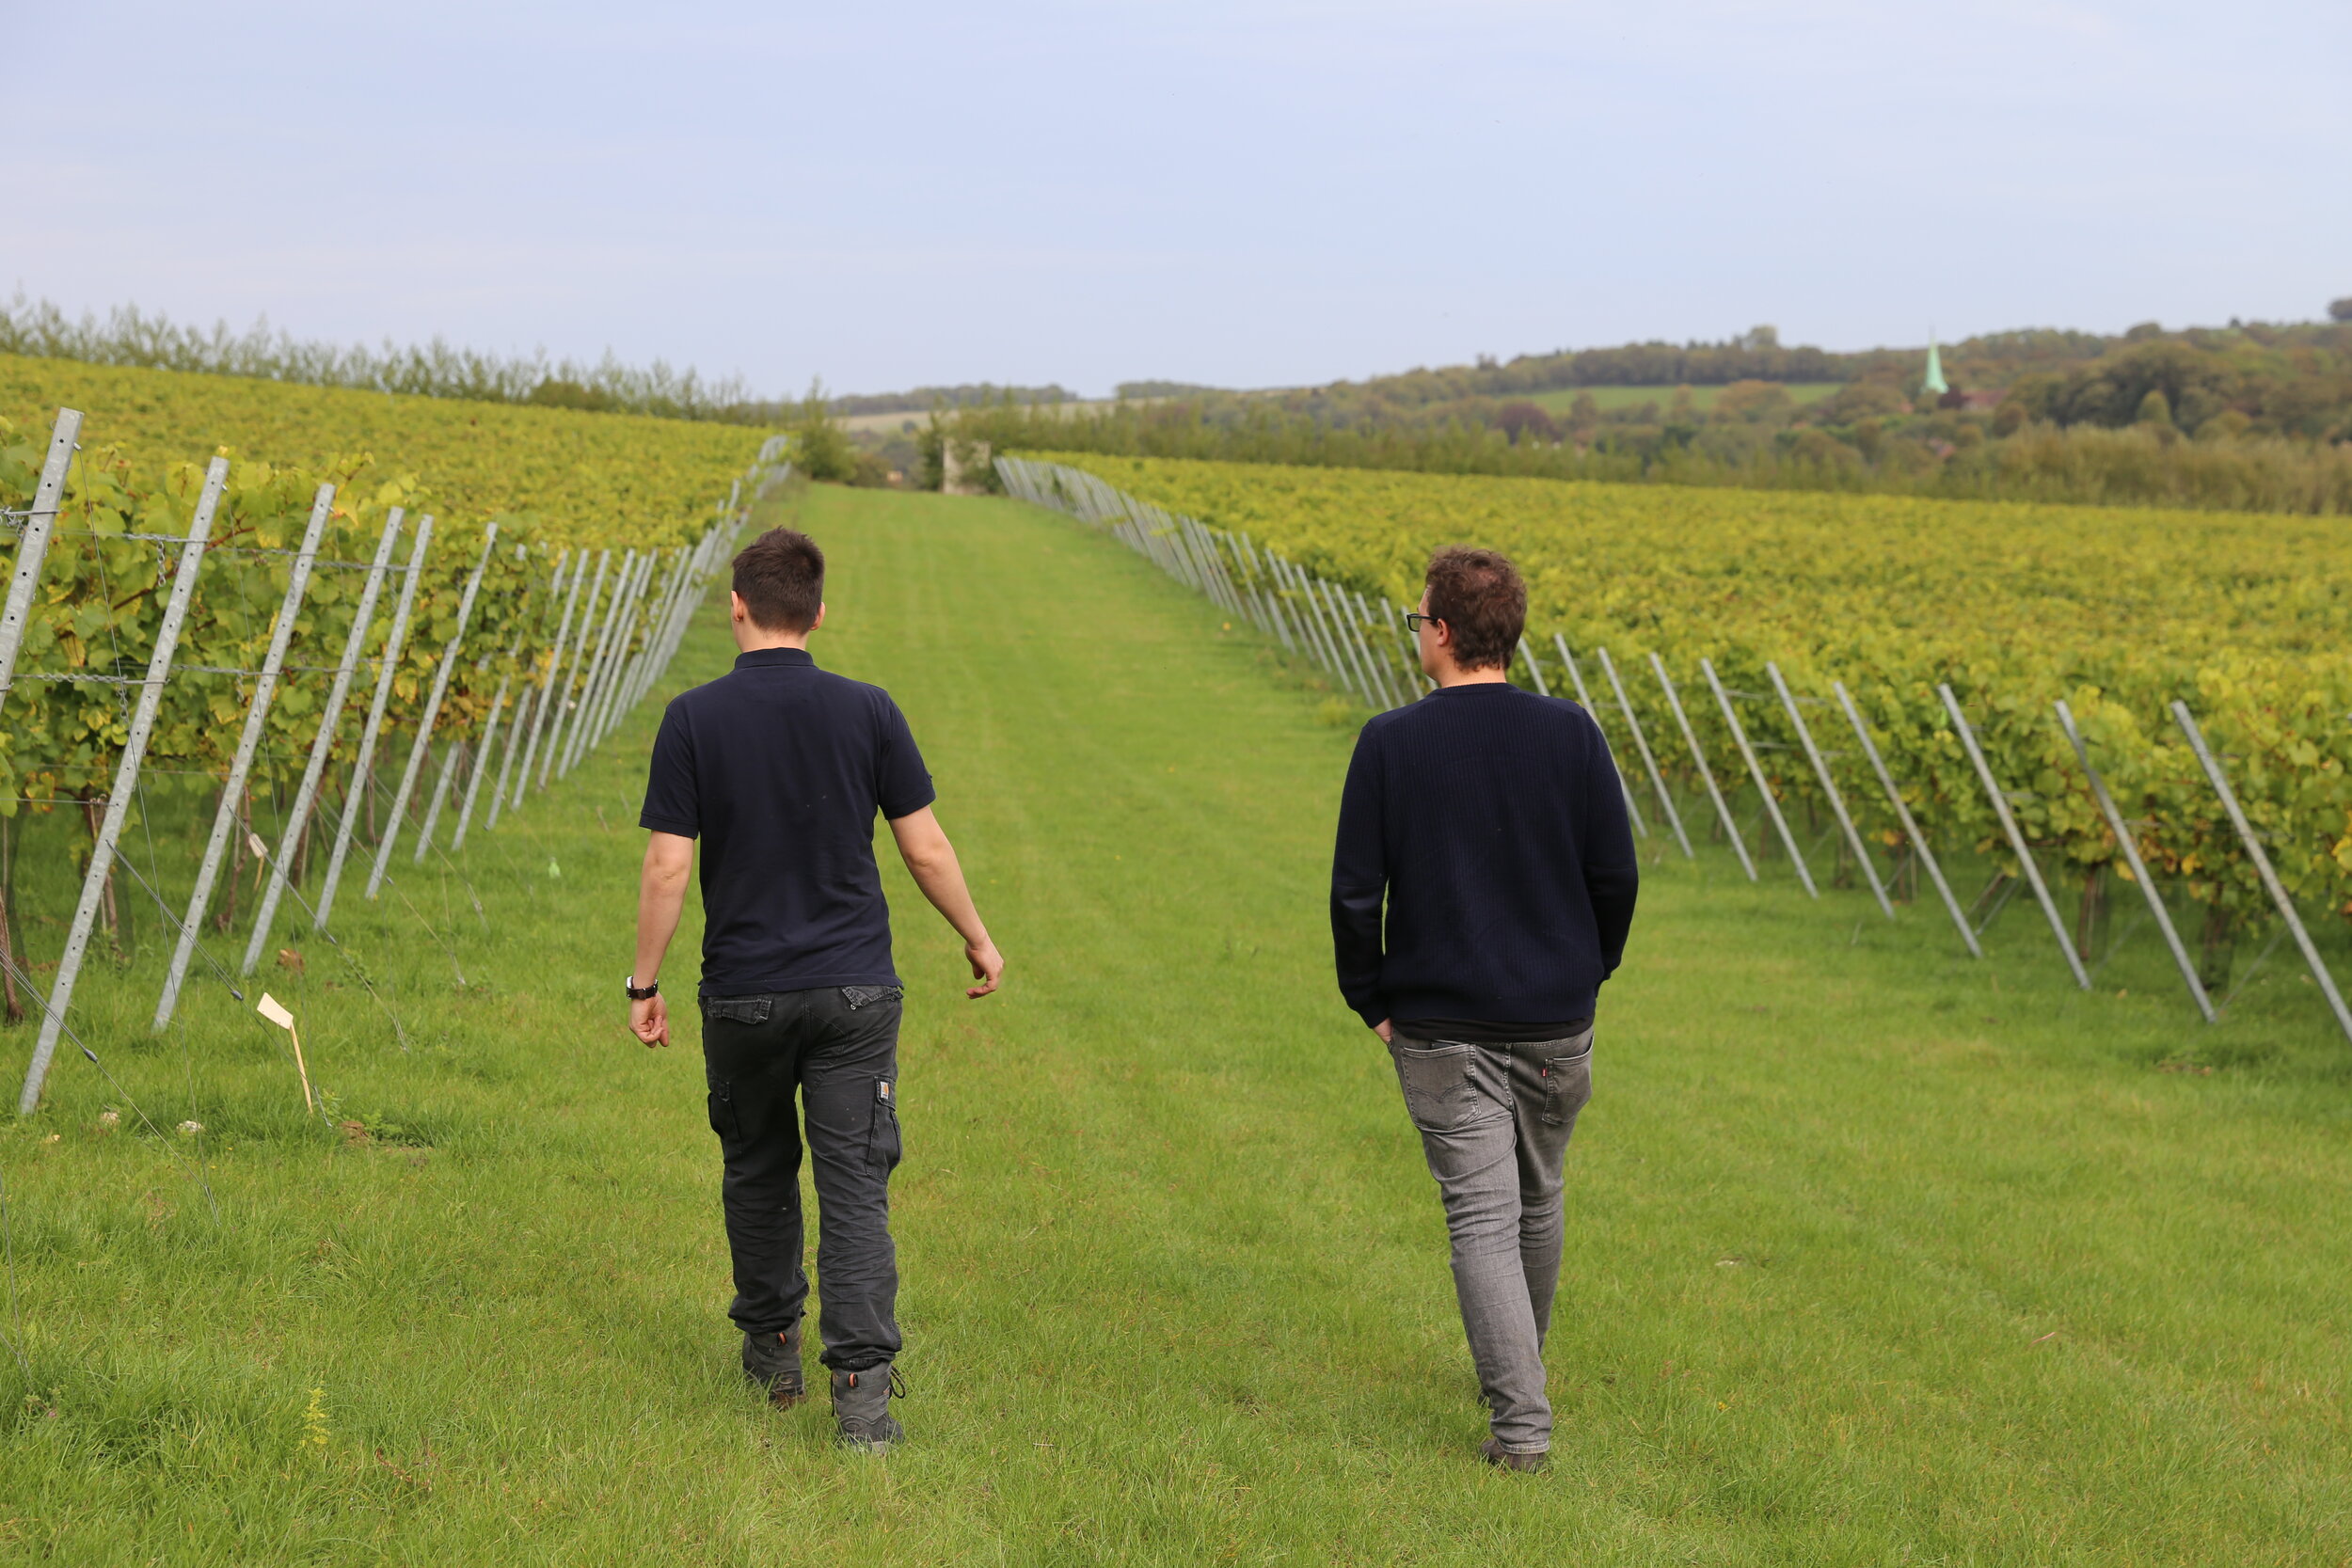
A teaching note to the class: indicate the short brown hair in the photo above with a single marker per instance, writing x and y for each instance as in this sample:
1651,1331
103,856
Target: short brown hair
780,577
1478,595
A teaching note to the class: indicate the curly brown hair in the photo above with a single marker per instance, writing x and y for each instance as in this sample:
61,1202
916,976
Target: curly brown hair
1480,597
781,575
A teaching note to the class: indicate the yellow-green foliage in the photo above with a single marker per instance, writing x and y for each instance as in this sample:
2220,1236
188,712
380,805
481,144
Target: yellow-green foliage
2119,611
549,479
599,479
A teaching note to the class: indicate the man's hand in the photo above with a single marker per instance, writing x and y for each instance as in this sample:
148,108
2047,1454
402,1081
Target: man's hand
1386,1029
987,967
649,1020
932,861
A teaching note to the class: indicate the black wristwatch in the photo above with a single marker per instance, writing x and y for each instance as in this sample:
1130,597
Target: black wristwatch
638,992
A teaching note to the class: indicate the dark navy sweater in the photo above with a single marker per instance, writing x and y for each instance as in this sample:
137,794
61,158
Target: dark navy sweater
1492,823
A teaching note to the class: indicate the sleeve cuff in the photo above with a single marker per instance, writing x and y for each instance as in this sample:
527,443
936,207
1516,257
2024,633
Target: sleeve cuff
667,825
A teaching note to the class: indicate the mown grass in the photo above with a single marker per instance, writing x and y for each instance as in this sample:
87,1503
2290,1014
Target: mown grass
1876,1255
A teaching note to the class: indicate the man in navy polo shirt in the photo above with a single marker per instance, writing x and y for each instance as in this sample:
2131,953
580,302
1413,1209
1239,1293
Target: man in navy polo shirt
779,768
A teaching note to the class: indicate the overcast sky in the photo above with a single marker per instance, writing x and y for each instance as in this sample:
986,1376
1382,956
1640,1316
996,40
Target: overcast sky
1247,194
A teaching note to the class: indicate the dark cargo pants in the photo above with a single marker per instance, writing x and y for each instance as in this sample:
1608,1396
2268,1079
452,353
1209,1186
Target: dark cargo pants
838,1049
1494,1122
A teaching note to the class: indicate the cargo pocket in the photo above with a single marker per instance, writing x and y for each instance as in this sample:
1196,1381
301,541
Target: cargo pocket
1568,1084
722,1112
1443,1091
882,1137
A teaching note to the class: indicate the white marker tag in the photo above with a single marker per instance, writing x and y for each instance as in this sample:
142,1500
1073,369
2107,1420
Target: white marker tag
253,842
275,1010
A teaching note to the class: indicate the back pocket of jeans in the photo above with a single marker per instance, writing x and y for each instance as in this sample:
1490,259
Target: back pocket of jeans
865,996
1442,1090
738,1009
1567,1086
882,1147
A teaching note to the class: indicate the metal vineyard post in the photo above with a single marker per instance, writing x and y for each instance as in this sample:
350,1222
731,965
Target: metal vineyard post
1641,741
442,669
1755,772
248,740
1698,756
363,766
1903,813
126,780
321,748
1829,787
2124,841
2016,836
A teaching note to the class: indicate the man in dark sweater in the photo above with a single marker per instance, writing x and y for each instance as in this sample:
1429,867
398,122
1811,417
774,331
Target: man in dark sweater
780,768
1491,822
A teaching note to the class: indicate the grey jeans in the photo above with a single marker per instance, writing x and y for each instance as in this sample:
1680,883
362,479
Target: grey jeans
1494,1122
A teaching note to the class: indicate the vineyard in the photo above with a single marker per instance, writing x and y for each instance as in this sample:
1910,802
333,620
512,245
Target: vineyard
303,671
2096,700
585,479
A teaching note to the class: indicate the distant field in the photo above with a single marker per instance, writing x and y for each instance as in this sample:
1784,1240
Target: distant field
1633,397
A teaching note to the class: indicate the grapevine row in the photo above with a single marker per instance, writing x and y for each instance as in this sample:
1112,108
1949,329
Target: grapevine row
2017,775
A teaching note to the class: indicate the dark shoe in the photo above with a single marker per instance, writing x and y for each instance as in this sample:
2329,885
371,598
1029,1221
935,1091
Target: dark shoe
861,1408
773,1361
1502,1458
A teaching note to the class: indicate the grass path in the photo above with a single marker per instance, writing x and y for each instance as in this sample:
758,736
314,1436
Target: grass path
1874,1255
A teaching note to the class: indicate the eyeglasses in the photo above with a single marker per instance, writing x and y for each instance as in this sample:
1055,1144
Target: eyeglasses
1415,620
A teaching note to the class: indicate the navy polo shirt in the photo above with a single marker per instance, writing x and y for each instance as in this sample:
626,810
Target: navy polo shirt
778,767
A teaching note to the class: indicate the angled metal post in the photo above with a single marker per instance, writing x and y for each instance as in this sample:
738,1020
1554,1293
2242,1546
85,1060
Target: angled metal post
1351,647
636,642
321,746
576,739
674,618
2125,842
1584,696
32,549
2016,836
646,663
546,688
118,798
1829,787
451,758
516,726
482,765
1535,671
249,739
617,667
363,765
442,669
1910,825
2255,853
1657,780
1690,736
556,714
568,714
1756,772
515,732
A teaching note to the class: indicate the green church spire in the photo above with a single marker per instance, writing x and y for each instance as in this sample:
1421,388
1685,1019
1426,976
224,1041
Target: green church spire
1934,386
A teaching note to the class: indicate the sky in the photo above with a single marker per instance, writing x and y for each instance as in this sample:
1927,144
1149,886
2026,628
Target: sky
1268,194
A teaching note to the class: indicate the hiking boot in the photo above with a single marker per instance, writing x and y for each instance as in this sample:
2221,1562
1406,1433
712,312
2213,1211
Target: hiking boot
772,1362
861,1408
1494,1453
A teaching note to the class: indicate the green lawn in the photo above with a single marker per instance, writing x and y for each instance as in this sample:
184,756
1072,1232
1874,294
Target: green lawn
1875,1255
1607,398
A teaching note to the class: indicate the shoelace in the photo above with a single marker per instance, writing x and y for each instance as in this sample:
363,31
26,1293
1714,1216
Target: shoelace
897,1383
